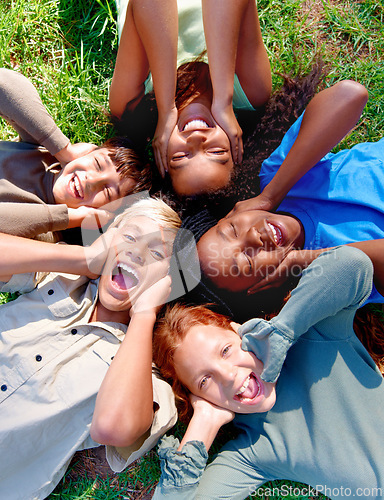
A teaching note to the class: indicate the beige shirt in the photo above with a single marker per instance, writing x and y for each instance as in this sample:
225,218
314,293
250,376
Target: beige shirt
52,362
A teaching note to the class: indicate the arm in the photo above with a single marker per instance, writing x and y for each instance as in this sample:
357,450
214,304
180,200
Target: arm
182,482
148,41
328,118
222,62
22,255
31,219
337,279
20,104
124,404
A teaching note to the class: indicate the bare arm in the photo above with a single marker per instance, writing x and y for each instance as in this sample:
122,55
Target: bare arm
330,115
205,422
238,49
148,41
124,404
22,255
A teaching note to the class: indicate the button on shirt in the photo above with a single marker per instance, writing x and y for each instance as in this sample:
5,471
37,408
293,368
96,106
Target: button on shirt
52,362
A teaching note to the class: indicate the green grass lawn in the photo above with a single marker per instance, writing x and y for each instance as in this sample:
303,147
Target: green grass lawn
68,48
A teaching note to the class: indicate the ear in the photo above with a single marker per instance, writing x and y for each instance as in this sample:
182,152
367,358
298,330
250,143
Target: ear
235,326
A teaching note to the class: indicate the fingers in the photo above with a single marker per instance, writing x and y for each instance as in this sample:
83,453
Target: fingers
159,159
272,280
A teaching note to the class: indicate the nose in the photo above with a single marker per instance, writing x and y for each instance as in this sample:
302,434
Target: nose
136,252
253,238
97,180
196,139
227,374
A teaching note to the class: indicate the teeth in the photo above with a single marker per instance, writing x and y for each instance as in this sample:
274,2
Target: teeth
128,269
78,186
244,386
275,237
195,124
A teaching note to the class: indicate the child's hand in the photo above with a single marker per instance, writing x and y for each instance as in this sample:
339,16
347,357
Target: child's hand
154,297
291,264
165,125
72,151
88,217
226,119
260,202
96,254
213,413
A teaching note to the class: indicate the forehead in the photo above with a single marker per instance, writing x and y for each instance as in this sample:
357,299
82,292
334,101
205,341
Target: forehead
143,226
201,342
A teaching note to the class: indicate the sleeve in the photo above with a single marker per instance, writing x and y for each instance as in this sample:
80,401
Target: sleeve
180,470
31,219
338,279
231,476
165,417
22,283
21,106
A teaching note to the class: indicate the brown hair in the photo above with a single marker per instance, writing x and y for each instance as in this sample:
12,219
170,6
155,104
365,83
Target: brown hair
129,163
170,331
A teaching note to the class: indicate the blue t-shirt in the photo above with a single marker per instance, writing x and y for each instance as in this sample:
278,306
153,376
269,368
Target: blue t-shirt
340,200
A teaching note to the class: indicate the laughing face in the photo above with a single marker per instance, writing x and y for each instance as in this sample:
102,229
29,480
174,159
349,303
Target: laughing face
91,180
199,152
212,365
139,257
241,250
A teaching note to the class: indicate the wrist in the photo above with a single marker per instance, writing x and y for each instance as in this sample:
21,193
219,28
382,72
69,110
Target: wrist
65,154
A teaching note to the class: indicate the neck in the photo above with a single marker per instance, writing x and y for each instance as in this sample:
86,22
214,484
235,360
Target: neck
100,313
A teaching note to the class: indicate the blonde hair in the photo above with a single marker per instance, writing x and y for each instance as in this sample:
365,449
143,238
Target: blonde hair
154,209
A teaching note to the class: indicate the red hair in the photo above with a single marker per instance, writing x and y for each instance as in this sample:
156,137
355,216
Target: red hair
173,327
169,332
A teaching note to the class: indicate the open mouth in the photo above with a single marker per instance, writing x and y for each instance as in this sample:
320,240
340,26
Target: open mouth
76,188
250,389
277,235
124,277
195,125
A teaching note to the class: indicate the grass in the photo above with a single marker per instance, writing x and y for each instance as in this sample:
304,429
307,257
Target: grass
68,48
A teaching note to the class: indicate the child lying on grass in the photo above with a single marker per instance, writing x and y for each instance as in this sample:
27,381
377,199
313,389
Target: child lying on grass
48,184
66,333
321,423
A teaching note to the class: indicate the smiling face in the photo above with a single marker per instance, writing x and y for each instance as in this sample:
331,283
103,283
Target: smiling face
210,362
91,180
139,257
241,250
199,153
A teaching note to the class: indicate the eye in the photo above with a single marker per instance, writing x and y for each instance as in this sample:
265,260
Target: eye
234,230
157,255
130,238
226,351
98,166
217,151
108,193
178,156
203,382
